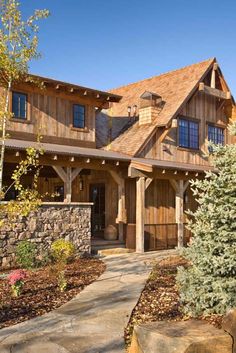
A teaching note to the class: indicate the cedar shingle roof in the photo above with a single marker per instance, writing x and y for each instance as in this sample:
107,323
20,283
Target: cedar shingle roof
175,87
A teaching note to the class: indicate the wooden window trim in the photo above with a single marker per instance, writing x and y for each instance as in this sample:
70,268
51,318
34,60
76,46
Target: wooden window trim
79,129
220,125
27,120
194,120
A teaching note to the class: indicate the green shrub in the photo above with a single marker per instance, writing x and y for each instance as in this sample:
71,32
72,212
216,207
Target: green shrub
26,254
62,250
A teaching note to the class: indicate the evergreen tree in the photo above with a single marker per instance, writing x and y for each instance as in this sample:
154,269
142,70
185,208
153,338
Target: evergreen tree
208,285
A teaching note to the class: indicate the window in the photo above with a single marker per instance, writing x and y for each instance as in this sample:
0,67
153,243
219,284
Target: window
19,105
216,134
79,116
188,134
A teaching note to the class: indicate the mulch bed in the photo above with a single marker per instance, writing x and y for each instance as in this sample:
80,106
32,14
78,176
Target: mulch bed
160,298
41,294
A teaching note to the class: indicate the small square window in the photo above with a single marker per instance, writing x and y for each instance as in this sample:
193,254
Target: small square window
19,105
188,134
79,116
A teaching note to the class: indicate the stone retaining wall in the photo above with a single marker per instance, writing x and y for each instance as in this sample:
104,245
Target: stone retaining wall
50,222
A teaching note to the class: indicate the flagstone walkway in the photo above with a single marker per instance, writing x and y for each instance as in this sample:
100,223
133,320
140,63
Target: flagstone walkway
94,321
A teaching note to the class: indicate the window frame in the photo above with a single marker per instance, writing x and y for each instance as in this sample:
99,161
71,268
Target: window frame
189,120
84,128
217,126
18,118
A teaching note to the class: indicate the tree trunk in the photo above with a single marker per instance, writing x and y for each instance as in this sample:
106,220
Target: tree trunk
3,138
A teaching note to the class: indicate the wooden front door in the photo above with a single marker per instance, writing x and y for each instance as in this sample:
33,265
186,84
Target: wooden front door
97,196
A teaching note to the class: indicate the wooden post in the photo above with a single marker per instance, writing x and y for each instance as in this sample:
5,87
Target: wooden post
179,209
121,216
180,187
140,214
213,75
67,185
121,209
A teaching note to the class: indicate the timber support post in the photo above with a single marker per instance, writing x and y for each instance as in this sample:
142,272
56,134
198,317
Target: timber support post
180,187
140,213
68,185
179,209
121,216
67,175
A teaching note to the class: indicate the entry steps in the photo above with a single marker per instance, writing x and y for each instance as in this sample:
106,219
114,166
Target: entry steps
108,247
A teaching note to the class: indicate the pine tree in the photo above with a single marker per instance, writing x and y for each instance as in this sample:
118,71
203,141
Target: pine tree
208,285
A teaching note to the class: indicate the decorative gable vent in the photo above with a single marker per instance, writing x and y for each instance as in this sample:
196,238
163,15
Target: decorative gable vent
150,105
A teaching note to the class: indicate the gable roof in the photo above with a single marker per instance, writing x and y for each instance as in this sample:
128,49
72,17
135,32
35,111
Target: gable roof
175,87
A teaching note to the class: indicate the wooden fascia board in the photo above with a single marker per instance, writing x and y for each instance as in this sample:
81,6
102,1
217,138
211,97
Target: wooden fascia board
195,88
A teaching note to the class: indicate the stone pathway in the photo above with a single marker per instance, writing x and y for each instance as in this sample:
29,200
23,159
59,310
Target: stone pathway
94,321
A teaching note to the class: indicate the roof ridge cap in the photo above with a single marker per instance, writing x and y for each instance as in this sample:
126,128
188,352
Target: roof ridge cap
162,74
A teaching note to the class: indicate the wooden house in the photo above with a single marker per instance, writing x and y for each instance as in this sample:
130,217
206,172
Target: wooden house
130,151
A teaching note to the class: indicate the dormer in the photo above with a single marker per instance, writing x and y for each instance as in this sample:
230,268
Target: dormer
150,104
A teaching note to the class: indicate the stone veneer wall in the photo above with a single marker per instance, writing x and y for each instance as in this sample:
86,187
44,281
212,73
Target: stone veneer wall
50,222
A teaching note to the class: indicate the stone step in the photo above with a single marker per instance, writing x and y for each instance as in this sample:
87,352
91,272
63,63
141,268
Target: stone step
103,247
113,251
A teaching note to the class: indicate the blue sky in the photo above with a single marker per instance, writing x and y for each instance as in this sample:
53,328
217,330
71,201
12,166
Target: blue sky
108,43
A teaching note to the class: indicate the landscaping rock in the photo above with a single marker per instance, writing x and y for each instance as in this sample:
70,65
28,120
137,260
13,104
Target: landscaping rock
229,325
190,336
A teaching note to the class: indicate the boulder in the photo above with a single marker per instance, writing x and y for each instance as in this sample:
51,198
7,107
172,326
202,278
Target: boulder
229,325
190,336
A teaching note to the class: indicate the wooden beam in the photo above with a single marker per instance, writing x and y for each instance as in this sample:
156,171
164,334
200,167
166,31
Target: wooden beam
214,91
139,169
185,186
64,161
116,176
213,75
136,173
174,184
140,214
142,166
148,182
60,171
163,135
74,173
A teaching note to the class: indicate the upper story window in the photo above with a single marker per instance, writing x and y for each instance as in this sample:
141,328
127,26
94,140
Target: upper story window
79,116
188,134
216,134
19,105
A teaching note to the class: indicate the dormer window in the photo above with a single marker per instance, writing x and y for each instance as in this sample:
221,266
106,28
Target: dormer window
188,133
216,134
19,105
79,116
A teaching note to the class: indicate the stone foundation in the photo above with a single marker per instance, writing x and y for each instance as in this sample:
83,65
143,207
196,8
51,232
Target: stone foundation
50,222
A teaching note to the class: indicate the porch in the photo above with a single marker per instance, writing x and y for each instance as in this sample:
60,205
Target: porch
144,202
